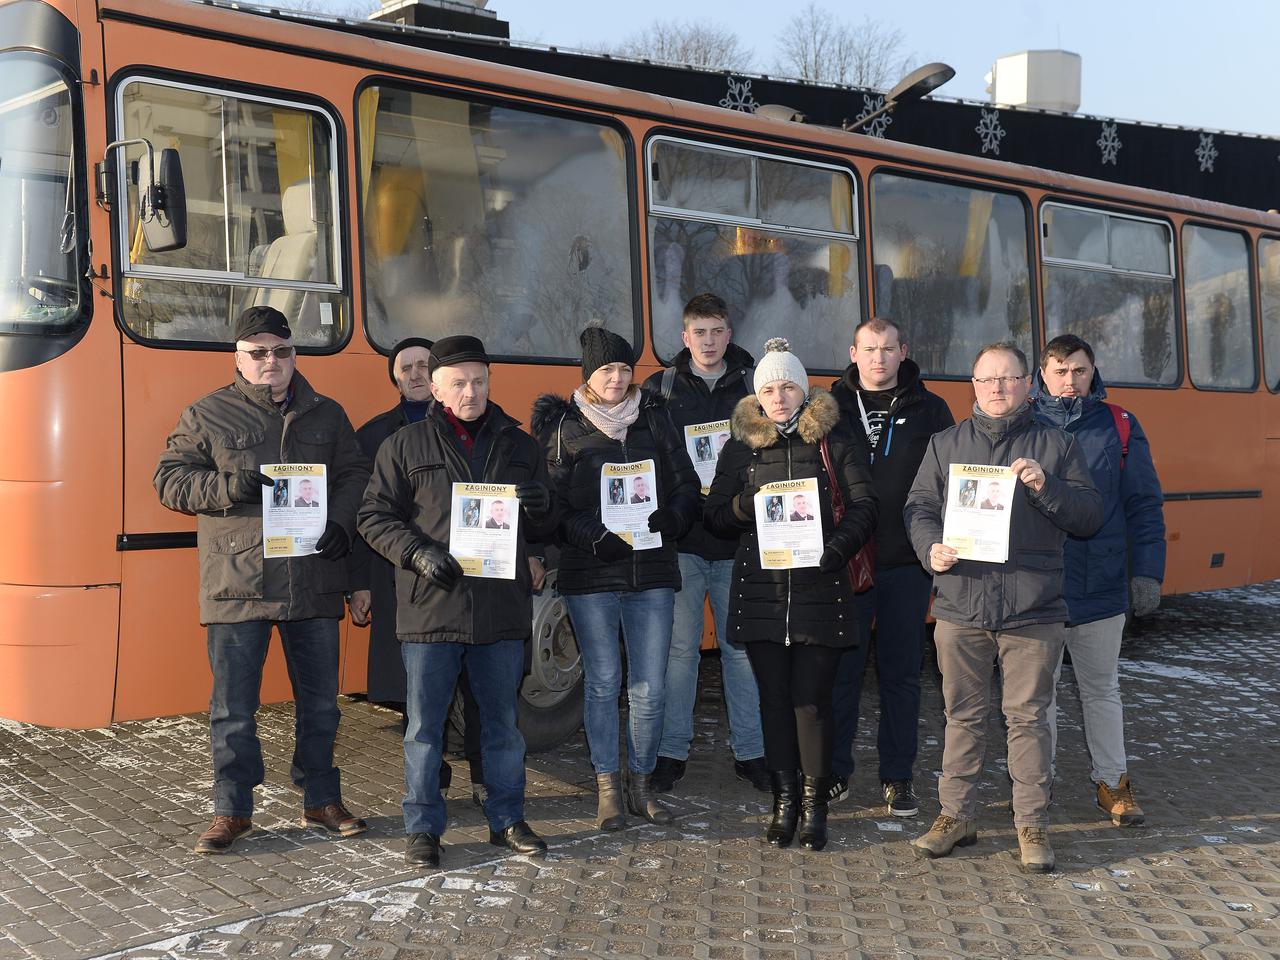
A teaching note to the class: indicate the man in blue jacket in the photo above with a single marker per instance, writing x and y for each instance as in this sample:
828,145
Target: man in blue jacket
1126,556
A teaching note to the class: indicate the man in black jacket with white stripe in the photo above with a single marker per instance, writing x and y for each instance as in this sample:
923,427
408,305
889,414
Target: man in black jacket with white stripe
882,397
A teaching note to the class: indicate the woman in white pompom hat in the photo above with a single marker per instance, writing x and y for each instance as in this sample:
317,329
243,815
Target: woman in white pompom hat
795,622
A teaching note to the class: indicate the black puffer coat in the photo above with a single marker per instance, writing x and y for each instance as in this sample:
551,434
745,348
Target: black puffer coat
576,451
802,605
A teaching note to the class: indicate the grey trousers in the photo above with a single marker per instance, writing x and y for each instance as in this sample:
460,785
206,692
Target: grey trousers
1027,657
1095,659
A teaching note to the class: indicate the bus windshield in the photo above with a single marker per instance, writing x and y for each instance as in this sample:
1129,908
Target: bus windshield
39,279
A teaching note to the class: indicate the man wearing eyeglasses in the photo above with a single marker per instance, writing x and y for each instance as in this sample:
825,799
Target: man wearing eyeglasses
211,468
1012,613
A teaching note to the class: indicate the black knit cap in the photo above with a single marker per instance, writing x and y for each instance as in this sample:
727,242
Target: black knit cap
601,346
399,348
262,319
450,351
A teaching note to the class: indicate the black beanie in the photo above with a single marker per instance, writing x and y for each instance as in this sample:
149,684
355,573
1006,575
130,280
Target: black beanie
404,344
601,346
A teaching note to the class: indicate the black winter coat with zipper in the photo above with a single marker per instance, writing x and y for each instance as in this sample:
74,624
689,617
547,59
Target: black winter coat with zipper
576,451
803,605
408,501
914,417
691,402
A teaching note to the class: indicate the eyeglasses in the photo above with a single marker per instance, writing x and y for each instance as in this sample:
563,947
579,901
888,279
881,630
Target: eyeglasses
1003,381
261,353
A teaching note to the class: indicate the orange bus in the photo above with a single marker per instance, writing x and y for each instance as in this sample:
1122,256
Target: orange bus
164,164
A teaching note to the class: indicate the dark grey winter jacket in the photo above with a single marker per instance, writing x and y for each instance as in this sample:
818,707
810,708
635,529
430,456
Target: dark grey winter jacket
1027,588
239,428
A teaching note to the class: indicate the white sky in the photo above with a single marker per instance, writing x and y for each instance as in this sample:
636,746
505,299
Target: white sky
1198,63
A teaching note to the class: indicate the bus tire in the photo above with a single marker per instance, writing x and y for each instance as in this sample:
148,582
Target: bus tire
549,710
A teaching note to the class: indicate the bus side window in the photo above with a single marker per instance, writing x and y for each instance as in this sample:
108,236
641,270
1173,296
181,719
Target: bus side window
1109,279
506,222
1269,267
1216,287
952,268
776,238
261,216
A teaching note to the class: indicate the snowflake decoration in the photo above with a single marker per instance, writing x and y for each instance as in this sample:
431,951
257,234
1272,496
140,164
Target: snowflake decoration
1206,153
739,96
878,126
990,131
1109,143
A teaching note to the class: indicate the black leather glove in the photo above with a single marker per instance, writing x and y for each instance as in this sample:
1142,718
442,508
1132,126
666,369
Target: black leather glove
246,486
611,548
534,497
831,560
434,563
333,543
745,504
665,522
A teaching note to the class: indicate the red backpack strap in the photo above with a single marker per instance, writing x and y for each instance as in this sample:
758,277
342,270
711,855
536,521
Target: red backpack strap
1123,427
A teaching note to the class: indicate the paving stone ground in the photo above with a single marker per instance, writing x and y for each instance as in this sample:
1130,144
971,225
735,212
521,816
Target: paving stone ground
96,829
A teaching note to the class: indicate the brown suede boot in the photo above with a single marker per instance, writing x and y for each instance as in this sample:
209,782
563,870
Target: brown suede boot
1118,803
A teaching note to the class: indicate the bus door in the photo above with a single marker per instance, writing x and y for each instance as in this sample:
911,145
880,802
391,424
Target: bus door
260,199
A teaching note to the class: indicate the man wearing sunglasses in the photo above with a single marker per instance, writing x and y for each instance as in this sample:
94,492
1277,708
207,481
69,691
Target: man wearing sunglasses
1013,612
211,468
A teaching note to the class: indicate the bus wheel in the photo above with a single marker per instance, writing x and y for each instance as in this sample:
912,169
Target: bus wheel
550,707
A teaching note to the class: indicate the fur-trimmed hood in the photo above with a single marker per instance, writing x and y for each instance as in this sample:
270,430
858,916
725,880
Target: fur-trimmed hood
752,427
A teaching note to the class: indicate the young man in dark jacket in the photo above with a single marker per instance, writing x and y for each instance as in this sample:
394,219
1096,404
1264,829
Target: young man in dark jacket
373,579
1012,611
882,397
703,384
444,618
1126,556
210,467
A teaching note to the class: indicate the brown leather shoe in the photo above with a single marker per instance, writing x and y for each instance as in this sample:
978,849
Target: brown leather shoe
334,818
222,833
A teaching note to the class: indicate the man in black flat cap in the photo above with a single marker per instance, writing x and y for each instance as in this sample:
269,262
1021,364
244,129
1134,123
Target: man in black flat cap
443,618
211,468
373,579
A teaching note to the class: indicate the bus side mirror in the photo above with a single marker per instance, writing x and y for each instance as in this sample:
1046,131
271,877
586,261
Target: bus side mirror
162,201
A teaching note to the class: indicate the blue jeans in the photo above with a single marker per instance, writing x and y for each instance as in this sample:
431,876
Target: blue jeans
645,618
237,652
898,604
742,699
494,671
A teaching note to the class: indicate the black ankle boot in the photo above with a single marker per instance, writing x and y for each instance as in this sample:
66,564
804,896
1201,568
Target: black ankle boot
813,812
786,808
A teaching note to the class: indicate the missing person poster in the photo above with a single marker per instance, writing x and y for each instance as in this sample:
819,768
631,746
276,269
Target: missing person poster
704,442
979,505
789,524
294,510
483,521
628,494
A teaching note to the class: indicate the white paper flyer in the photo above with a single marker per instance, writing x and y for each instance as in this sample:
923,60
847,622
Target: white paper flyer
789,524
483,522
628,494
294,510
979,505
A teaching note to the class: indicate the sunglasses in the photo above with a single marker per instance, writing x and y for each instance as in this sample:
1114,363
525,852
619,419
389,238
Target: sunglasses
261,353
